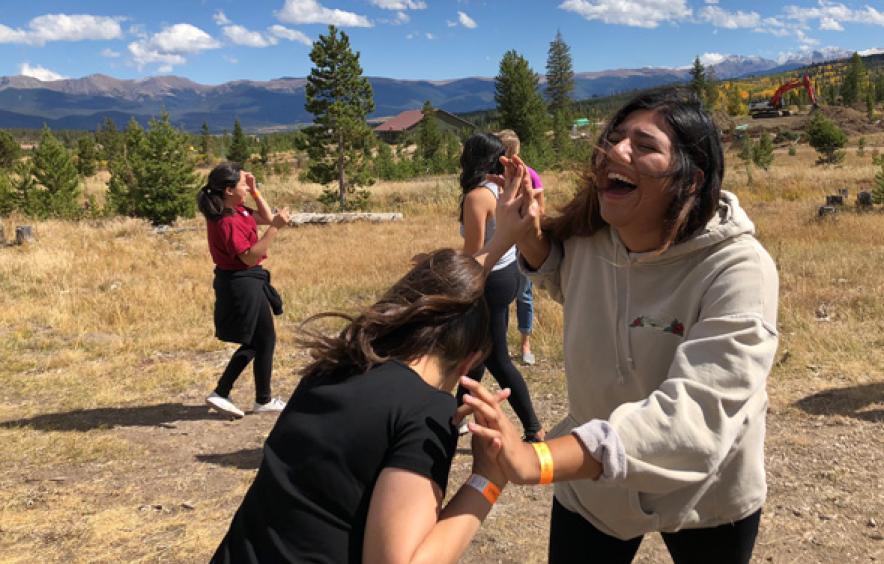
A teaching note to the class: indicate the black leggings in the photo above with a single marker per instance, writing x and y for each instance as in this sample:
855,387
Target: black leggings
261,350
500,291
573,539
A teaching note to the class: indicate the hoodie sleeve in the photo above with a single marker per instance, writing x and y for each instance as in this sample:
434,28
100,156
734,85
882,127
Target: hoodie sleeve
687,427
548,276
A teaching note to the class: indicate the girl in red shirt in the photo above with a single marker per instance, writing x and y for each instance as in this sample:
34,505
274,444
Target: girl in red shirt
244,299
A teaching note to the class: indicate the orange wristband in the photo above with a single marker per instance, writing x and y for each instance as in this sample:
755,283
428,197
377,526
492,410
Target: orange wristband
485,487
546,462
256,194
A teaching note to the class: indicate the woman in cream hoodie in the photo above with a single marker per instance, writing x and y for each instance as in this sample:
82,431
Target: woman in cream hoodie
670,307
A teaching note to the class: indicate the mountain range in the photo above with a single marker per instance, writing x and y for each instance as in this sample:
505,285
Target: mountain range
82,103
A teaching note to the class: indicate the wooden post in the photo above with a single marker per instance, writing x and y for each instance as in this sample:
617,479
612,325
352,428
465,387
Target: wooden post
24,234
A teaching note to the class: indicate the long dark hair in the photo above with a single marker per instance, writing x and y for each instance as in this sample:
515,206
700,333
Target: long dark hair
696,148
210,198
438,307
481,156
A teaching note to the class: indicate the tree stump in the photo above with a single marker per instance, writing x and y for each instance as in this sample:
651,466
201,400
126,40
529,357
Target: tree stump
24,234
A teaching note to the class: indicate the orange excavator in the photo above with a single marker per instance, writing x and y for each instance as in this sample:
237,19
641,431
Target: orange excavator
774,106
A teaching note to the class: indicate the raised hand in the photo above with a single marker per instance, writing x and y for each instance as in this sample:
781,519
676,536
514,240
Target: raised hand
518,213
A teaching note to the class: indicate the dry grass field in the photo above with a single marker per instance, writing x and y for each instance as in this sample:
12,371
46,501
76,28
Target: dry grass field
108,454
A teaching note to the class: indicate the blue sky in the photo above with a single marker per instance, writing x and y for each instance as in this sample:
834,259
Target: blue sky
214,41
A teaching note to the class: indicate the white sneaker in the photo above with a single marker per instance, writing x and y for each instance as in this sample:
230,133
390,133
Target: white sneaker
224,405
273,406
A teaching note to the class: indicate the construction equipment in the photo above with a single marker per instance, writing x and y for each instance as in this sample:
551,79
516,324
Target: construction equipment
774,106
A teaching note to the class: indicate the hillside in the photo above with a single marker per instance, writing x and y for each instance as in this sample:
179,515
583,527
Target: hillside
265,105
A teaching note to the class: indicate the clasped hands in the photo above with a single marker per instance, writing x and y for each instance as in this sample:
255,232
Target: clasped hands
518,212
497,445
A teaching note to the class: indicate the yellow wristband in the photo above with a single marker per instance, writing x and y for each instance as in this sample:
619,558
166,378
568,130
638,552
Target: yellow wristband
546,462
256,194
485,487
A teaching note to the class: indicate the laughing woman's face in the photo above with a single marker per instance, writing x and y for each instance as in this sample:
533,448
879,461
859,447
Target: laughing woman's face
633,180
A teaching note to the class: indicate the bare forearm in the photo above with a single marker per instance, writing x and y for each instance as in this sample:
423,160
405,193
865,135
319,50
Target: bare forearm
534,250
259,249
263,209
457,525
571,461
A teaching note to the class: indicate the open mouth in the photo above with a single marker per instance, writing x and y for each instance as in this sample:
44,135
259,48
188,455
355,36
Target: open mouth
619,183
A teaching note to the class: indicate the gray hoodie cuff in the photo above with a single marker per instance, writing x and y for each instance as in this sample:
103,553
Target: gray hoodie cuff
551,264
603,444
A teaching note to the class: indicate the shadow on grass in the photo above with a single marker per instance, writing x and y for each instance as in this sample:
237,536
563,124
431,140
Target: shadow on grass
851,402
244,459
159,415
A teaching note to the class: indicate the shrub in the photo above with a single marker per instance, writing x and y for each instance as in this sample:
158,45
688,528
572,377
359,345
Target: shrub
827,138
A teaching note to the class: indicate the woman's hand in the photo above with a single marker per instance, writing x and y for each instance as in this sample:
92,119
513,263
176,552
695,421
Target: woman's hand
281,219
251,183
499,437
518,213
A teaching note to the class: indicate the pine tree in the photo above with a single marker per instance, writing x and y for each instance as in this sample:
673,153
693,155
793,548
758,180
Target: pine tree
762,152
559,76
519,104
827,138
109,139
747,154
122,181
239,151
7,196
854,84
878,189
429,138
54,170
205,143
339,98
86,156
559,86
698,79
264,151
10,150
165,183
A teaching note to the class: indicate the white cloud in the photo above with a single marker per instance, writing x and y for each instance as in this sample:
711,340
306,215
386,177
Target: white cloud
221,19
109,53
711,1
311,12
804,39
773,26
636,13
466,20
290,34
183,38
169,46
38,72
63,27
711,58
729,20
239,35
429,35
450,23
400,4
831,15
830,24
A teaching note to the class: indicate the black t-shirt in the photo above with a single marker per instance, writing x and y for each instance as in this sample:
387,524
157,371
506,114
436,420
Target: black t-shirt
309,501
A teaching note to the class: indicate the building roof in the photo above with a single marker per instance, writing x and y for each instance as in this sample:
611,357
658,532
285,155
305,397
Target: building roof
402,122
